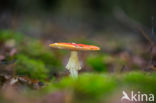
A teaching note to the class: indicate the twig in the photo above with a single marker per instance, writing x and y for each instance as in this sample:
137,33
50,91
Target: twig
150,41
146,36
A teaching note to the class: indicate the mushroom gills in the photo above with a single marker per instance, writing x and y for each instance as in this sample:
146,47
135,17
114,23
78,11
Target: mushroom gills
73,64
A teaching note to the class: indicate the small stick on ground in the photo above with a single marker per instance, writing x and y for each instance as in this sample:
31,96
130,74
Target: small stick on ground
152,44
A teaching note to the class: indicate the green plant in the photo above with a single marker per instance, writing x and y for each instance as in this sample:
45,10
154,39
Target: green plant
97,62
8,34
33,68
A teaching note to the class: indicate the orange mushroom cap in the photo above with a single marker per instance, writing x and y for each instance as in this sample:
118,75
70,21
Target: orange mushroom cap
74,46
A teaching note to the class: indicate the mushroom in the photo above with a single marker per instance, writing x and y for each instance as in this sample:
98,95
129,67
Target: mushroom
73,64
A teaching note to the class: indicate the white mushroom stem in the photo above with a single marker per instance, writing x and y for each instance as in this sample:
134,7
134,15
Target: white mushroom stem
73,64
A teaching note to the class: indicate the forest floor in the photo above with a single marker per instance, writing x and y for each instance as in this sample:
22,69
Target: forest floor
32,72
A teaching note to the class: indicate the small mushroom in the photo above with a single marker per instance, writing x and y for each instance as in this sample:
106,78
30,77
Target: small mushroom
73,64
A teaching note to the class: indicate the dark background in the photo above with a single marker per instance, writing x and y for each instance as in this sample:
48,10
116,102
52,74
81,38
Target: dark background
53,18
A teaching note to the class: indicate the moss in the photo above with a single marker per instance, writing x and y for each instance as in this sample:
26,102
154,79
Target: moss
31,67
97,62
38,50
93,87
31,53
8,34
145,81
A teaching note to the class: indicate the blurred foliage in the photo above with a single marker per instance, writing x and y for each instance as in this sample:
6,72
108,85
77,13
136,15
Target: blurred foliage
31,67
35,49
144,81
8,34
82,40
98,62
84,88
94,87
34,58
102,62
